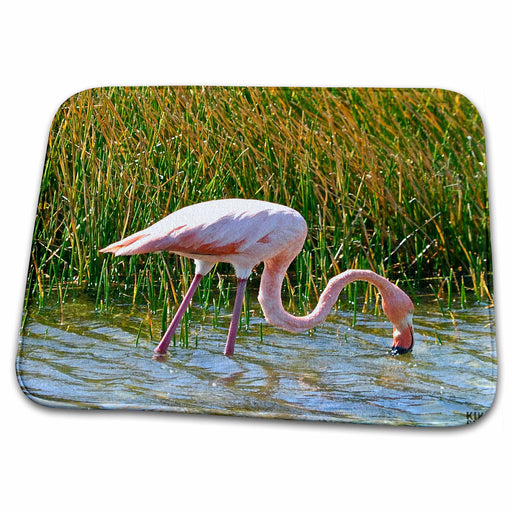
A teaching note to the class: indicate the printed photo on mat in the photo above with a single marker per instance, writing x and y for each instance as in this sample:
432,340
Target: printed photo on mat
299,253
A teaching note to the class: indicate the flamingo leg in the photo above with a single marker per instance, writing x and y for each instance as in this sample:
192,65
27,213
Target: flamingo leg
167,338
235,319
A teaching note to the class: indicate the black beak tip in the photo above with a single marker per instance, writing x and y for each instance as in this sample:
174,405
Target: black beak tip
398,351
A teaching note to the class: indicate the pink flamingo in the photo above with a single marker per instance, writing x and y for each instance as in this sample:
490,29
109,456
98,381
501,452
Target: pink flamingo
245,232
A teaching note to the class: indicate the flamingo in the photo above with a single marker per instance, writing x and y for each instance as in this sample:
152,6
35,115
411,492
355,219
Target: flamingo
245,232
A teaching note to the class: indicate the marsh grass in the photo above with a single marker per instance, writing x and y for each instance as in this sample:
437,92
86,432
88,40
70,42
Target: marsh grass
390,180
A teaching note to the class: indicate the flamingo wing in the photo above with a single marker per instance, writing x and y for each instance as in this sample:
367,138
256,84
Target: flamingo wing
215,228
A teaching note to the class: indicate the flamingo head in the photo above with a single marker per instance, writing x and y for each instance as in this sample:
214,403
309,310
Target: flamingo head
403,337
399,308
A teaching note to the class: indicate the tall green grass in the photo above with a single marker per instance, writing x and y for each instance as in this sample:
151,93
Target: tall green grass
391,180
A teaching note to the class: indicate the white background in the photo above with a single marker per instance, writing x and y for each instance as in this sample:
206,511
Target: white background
62,460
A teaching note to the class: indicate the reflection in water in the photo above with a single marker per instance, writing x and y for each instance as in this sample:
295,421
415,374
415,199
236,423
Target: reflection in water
74,356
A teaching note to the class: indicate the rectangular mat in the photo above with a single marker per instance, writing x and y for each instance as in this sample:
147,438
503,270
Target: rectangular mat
302,253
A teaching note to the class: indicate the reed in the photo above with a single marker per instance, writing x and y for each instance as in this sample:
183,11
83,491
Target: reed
391,180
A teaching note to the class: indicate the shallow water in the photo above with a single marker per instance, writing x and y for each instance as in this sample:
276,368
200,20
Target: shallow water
71,355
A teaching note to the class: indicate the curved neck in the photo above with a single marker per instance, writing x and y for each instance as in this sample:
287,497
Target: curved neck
270,296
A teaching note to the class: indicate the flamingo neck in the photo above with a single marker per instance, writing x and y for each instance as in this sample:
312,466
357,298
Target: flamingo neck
270,296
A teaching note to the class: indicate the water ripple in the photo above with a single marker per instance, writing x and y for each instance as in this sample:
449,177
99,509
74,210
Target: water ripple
76,357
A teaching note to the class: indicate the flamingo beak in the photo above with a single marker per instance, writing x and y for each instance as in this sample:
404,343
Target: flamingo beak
403,340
